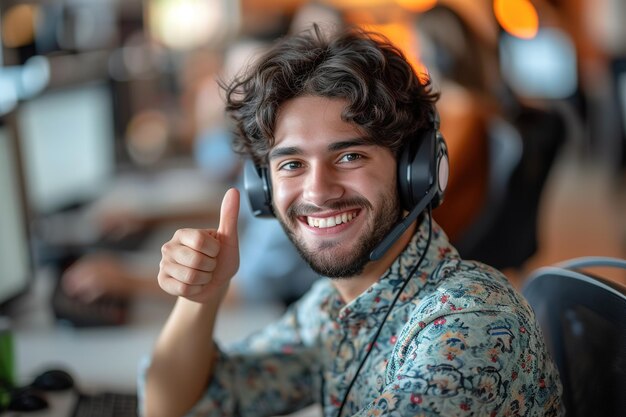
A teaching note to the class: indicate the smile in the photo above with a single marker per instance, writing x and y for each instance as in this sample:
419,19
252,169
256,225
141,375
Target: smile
331,221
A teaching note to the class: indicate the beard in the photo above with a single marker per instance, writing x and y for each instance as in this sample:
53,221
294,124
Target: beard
349,258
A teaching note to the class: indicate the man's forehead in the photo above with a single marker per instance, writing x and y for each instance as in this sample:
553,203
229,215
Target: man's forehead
320,109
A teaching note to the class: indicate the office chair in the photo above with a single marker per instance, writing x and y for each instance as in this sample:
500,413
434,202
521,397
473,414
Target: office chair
583,318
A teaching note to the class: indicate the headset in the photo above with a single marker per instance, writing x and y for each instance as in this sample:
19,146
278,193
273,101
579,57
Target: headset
423,171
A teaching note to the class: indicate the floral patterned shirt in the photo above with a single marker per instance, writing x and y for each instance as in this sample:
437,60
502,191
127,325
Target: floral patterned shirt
460,341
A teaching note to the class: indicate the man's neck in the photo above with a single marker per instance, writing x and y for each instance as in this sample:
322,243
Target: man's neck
350,288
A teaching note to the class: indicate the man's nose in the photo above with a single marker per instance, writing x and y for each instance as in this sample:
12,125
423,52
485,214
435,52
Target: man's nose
322,185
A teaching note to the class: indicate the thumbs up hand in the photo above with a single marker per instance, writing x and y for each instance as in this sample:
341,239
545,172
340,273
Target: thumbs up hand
198,264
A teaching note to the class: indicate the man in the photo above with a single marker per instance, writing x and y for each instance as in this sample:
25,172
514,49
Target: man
403,327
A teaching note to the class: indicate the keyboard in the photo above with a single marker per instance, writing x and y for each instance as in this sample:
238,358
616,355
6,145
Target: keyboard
106,404
102,312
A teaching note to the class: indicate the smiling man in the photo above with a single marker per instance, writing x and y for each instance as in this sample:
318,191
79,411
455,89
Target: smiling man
344,139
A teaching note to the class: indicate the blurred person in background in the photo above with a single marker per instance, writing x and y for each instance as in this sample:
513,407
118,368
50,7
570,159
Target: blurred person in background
502,145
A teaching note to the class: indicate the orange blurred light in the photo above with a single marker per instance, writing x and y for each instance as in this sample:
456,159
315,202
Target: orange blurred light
18,25
417,6
518,17
401,35
348,4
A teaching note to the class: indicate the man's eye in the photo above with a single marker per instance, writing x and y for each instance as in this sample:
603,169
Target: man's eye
350,157
290,166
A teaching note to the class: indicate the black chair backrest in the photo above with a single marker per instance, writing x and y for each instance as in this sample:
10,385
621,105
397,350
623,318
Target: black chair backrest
583,318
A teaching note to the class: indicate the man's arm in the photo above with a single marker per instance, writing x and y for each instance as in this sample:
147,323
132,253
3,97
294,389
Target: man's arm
196,266
272,372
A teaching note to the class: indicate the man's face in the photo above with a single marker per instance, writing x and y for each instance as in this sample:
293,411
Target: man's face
335,195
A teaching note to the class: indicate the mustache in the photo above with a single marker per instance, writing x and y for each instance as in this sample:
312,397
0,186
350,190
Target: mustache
303,209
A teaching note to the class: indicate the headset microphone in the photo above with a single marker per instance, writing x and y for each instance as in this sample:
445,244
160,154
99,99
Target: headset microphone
423,171
401,227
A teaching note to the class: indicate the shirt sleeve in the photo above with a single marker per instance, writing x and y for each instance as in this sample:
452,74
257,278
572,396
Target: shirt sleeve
272,372
464,364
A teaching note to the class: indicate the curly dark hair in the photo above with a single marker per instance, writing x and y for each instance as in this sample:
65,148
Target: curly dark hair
386,99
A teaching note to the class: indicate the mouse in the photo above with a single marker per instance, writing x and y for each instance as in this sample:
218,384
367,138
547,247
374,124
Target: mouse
53,380
27,400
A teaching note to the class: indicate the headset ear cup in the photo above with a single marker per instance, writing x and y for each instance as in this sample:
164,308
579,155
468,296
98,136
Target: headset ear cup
404,176
443,170
417,168
258,187
267,188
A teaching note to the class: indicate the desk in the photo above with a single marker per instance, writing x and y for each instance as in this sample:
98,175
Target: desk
102,359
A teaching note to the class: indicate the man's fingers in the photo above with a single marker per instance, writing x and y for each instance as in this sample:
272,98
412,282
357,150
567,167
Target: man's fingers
186,275
203,241
175,287
193,259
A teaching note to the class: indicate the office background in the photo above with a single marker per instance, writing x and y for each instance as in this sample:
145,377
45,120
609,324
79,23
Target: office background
112,104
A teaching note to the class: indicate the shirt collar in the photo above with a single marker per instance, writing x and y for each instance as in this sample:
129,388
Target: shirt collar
376,299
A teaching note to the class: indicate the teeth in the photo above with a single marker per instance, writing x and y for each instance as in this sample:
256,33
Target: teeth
330,221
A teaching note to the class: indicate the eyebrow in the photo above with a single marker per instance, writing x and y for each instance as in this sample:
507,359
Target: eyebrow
333,147
345,144
284,151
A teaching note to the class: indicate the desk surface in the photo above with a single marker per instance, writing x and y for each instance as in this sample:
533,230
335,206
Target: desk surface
106,359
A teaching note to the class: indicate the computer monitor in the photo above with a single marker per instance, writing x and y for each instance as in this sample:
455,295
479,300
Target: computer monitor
68,144
543,67
16,267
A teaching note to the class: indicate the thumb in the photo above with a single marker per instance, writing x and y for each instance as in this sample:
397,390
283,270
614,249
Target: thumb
229,215
228,256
